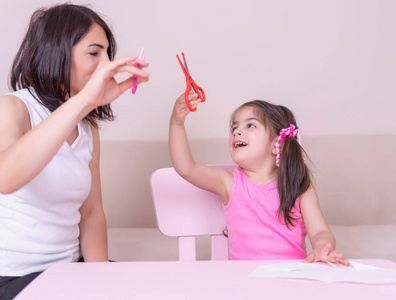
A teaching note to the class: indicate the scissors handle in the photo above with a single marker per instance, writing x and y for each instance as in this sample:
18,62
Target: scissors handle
134,84
198,90
191,85
136,65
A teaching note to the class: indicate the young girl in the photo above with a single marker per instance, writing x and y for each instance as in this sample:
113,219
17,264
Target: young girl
50,197
269,202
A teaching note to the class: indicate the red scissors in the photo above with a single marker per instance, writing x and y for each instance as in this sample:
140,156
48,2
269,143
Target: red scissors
190,84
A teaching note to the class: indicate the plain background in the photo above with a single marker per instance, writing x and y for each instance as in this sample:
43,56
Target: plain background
332,62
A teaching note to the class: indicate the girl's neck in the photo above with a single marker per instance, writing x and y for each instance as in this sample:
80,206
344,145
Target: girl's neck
261,176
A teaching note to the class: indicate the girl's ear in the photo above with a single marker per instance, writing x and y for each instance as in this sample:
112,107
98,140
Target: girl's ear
273,150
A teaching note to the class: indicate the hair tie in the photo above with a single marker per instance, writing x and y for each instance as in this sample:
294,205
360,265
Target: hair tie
291,131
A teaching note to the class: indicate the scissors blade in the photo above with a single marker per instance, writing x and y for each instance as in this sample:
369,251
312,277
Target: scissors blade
185,64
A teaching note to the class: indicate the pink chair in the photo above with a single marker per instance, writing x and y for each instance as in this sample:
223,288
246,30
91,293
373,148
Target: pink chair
185,211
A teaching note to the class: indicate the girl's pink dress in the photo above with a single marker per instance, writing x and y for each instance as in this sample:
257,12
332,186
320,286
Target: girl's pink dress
254,229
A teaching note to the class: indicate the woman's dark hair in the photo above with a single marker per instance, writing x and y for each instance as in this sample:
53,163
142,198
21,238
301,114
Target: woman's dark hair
43,61
294,177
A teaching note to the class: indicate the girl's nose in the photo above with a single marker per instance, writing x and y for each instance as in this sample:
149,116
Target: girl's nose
237,132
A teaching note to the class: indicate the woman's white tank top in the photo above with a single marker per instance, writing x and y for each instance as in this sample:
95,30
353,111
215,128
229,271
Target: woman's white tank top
39,223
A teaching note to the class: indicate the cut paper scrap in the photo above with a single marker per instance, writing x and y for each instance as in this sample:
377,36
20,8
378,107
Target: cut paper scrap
356,273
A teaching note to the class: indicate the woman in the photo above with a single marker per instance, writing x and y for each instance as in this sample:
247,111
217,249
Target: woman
50,197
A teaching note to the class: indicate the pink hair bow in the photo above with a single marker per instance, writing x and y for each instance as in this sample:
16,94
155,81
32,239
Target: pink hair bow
291,131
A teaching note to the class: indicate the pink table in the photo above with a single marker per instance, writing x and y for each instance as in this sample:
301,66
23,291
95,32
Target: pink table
189,280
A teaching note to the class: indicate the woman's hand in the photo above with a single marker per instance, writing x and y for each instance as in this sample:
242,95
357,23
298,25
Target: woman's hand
180,110
102,88
327,255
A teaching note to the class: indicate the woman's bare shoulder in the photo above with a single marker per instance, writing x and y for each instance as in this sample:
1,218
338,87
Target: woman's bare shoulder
11,103
13,112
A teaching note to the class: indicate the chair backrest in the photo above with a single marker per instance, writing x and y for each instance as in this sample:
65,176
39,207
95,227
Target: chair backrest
185,211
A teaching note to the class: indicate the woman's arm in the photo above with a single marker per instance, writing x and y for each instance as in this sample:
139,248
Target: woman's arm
212,179
93,229
322,240
24,153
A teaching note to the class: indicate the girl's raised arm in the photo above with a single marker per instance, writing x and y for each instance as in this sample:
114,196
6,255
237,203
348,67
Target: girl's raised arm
212,179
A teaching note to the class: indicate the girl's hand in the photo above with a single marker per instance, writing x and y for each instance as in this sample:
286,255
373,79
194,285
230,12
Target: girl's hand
180,110
102,88
327,255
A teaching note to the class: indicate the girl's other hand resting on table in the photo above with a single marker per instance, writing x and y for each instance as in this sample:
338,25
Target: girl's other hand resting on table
326,254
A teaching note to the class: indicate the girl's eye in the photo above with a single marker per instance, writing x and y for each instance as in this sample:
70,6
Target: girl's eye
94,53
251,125
233,129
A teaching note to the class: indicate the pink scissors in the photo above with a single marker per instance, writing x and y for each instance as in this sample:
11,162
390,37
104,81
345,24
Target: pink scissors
136,64
190,84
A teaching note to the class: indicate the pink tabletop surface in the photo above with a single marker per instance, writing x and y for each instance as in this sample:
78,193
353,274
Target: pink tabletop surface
190,280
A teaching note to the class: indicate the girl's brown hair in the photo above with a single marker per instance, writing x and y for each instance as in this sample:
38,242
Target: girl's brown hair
294,177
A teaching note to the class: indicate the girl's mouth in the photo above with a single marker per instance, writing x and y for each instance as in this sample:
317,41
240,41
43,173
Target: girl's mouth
239,144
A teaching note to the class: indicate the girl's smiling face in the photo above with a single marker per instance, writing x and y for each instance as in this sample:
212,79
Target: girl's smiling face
251,143
86,55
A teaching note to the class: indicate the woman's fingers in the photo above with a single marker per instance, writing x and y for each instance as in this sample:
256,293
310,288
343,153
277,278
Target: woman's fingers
125,85
126,64
142,63
115,65
102,88
134,71
142,75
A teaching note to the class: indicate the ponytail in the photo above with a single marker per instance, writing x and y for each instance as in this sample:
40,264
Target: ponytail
293,174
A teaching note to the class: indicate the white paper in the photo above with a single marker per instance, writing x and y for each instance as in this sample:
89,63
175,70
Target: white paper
327,272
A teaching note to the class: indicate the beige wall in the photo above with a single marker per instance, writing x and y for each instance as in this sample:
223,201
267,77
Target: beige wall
354,176
332,62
